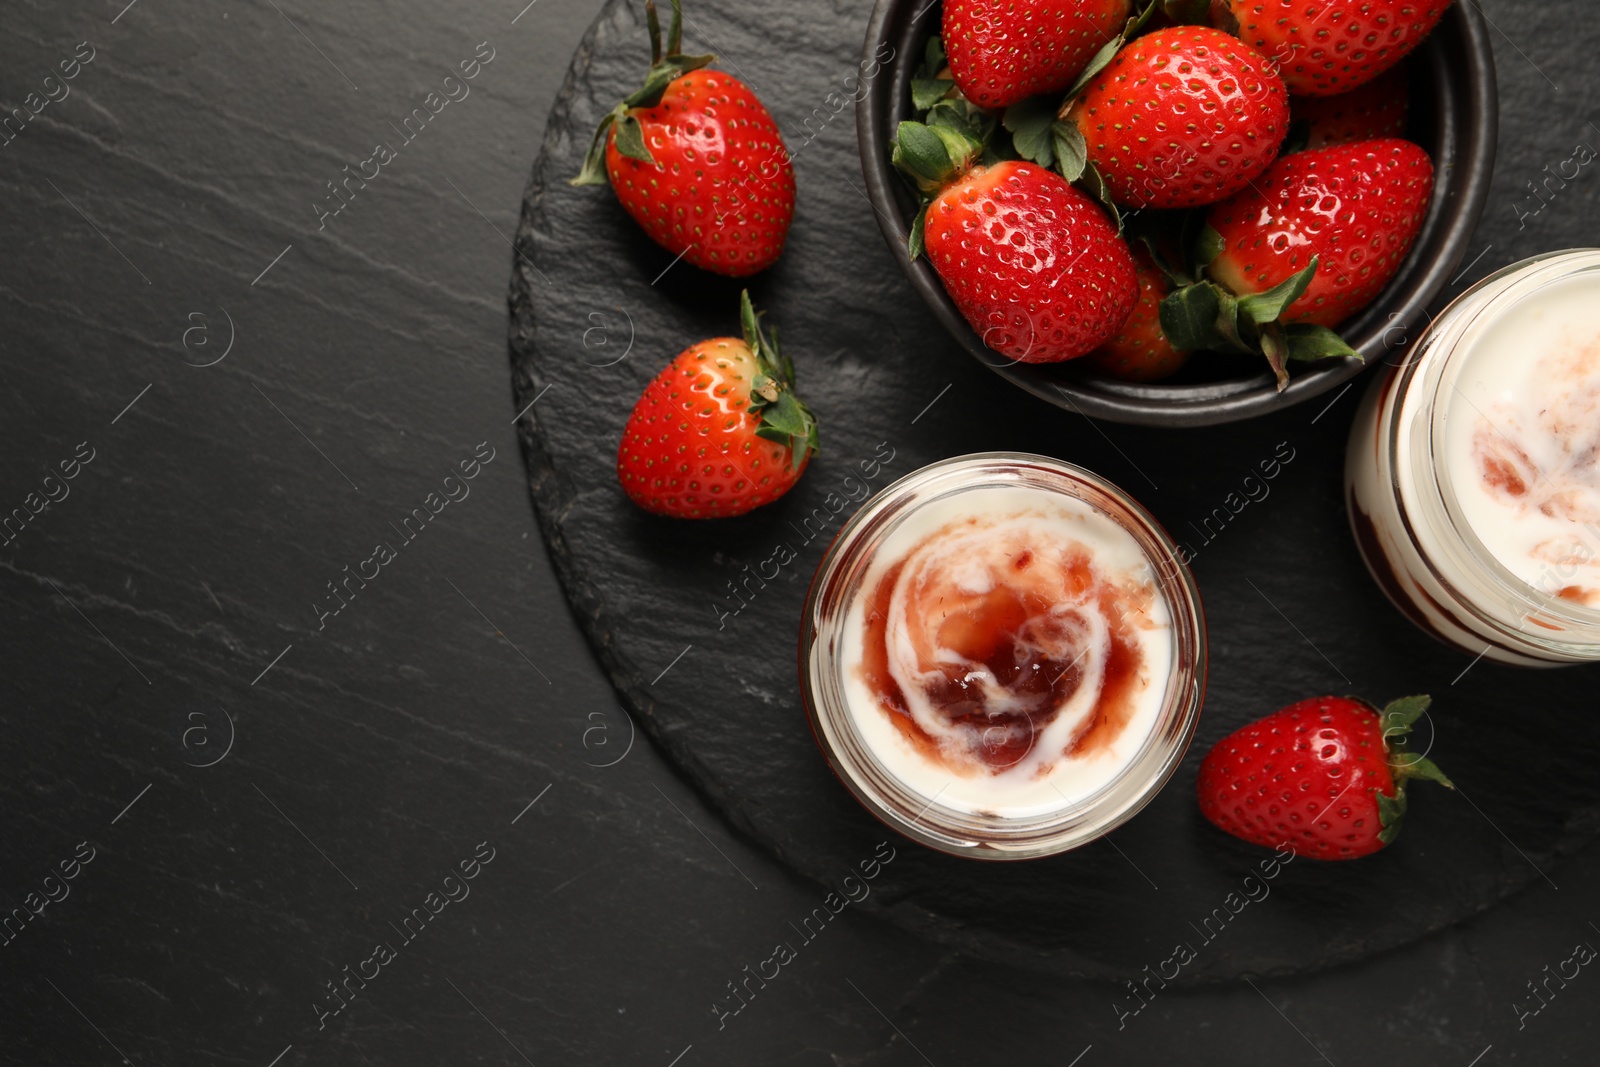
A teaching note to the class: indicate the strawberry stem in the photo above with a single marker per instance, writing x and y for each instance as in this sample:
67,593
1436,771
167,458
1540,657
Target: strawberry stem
620,123
785,419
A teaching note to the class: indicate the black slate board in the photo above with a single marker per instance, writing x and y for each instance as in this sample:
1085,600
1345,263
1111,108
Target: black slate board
1291,610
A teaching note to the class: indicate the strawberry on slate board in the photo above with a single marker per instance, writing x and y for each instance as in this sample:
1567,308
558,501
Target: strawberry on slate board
1140,352
1322,49
720,430
1032,262
1003,51
1376,109
697,160
1310,243
1325,777
1182,117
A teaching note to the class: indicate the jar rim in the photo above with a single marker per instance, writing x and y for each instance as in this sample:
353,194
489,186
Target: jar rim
838,579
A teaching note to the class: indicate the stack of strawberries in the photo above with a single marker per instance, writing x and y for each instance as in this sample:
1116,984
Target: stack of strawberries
1134,186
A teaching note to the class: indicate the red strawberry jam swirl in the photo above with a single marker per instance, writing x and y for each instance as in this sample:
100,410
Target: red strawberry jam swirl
994,642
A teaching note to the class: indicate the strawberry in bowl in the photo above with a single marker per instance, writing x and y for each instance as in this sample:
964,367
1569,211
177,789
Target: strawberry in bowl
1034,264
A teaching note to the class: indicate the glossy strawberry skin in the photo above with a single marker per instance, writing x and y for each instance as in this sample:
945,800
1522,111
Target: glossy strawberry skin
1324,49
1140,352
1357,207
1306,777
722,185
1182,117
690,449
1032,262
1376,109
1003,51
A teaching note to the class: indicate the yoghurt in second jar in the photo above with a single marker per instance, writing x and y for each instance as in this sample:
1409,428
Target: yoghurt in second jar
1002,656
1523,440
1473,472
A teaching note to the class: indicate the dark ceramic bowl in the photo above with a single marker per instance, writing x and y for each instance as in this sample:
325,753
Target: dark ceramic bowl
1453,116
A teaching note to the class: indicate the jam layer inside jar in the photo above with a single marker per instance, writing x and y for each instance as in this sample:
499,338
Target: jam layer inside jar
1002,640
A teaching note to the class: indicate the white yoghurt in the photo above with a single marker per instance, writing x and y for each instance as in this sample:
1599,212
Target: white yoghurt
956,551
1522,439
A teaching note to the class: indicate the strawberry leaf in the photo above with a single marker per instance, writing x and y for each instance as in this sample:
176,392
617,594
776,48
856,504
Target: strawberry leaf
914,240
933,59
1029,122
1096,186
629,138
1189,316
1275,346
1228,323
926,92
1097,62
1108,51
1207,245
783,418
1400,715
652,22
594,160
750,323
1072,153
1391,810
675,34
1309,342
1268,306
1406,767
955,112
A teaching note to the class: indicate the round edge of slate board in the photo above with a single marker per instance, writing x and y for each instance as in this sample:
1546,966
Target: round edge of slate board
565,499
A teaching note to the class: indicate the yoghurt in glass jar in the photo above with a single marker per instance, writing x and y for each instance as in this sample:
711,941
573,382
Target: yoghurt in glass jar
1002,656
1473,472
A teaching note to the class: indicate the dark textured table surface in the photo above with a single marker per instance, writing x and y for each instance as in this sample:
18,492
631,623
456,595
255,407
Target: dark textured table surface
253,781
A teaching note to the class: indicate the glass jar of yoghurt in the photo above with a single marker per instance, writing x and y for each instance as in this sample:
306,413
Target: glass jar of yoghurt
1473,471
1002,656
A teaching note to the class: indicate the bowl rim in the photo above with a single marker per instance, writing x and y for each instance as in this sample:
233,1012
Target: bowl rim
1458,61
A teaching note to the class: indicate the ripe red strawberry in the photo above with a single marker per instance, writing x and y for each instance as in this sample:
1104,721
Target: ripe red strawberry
1325,777
719,431
1321,48
1032,262
1002,51
1376,109
1356,207
698,162
1140,352
1182,117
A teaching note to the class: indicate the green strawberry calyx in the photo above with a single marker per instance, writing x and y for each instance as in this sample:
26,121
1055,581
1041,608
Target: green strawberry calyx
1043,131
620,122
785,419
933,155
1395,722
1206,315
